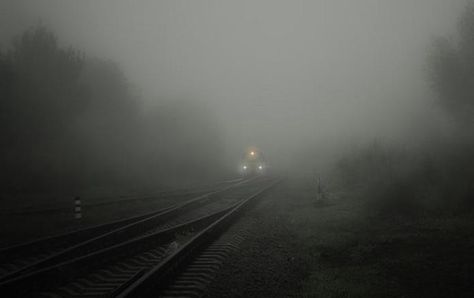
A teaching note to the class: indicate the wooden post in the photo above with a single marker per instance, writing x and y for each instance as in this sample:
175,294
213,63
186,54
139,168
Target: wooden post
320,196
319,186
77,208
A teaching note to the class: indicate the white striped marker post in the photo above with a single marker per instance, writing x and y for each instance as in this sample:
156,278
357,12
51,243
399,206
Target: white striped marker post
77,208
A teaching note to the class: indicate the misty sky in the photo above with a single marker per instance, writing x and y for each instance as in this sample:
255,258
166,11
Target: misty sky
278,73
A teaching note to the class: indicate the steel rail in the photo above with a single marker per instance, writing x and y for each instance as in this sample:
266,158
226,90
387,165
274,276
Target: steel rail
122,199
60,273
111,237
161,275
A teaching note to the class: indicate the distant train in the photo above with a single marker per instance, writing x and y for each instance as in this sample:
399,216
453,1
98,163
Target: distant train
253,162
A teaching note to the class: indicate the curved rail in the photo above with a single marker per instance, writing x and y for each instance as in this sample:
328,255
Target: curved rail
160,276
94,238
121,199
60,273
146,247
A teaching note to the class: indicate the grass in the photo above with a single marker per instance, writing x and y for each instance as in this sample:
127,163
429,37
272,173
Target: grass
352,253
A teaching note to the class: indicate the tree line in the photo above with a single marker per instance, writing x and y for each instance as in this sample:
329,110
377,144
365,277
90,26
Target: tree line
70,122
437,178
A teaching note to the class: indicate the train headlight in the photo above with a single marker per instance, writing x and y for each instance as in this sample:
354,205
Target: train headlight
244,167
260,167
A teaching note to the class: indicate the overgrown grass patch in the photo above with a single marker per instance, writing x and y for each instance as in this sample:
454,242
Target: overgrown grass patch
353,252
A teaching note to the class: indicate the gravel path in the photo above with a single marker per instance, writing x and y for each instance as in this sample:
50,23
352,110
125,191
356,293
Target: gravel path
268,262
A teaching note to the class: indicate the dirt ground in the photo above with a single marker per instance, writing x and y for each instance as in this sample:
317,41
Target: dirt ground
302,248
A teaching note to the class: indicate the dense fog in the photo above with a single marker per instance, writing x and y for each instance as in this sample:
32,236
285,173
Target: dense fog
246,148
71,122
147,93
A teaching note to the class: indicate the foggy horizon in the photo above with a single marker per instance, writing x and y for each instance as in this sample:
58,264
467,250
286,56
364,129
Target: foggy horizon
275,74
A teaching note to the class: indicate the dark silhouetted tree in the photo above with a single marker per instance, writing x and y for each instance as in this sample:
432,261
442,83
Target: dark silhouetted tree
69,123
452,71
40,100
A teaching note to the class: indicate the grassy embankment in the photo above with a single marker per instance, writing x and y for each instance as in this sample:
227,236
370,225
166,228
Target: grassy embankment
351,252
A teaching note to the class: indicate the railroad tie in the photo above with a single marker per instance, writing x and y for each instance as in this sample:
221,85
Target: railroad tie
193,281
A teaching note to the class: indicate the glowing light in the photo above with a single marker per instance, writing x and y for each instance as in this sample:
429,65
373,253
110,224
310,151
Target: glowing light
252,153
260,167
244,167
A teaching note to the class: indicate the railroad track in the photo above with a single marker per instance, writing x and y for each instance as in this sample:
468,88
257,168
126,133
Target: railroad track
129,268
106,201
19,259
184,272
